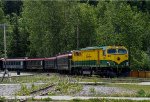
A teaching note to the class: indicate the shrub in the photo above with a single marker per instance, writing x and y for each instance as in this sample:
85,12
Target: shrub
141,93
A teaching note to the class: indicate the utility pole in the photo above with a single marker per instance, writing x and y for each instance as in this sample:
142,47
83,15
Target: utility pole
77,37
5,41
4,29
5,52
78,34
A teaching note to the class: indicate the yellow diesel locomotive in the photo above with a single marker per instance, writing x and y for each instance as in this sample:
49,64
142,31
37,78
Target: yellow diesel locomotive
106,61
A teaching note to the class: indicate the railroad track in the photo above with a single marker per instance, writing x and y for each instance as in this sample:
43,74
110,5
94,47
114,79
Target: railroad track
40,92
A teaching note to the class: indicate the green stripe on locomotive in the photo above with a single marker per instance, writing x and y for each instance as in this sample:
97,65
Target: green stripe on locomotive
102,63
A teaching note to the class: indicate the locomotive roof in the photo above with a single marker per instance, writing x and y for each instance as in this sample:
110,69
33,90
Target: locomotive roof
100,47
94,48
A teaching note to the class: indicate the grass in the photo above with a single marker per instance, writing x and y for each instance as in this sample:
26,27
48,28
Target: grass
53,77
62,87
39,78
26,91
105,100
90,100
74,100
140,90
113,80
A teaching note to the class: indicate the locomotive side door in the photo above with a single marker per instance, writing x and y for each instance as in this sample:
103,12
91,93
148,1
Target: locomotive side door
99,56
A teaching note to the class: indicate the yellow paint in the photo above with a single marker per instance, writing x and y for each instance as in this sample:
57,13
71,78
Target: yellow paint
99,54
118,58
85,55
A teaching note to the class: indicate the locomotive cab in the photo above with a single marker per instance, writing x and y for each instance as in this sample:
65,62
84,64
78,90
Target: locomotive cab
117,59
118,55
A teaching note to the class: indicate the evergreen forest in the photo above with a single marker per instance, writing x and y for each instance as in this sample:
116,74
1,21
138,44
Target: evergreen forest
44,28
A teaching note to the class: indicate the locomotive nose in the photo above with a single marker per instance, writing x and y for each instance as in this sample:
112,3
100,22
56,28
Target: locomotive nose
119,59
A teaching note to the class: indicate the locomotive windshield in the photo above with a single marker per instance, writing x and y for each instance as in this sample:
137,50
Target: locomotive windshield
117,51
112,51
122,51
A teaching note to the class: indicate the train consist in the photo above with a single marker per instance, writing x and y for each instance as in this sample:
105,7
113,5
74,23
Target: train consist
105,61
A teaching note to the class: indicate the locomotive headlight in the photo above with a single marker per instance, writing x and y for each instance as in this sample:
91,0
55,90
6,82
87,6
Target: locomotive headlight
108,63
127,63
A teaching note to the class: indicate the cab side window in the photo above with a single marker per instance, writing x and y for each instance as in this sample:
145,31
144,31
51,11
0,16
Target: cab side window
77,53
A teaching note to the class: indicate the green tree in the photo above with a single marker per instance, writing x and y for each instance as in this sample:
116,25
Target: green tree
11,7
18,37
120,25
49,25
85,24
2,21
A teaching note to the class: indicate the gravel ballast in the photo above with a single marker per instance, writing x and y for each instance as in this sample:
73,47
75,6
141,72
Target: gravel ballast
88,90
11,89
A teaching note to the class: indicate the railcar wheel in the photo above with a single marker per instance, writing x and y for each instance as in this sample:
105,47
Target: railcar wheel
112,74
81,71
125,74
91,72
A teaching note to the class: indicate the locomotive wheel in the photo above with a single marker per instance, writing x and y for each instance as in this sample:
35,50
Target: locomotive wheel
112,74
72,71
81,71
91,72
124,74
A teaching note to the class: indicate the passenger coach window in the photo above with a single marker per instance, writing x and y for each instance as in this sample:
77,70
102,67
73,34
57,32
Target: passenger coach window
111,51
122,51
